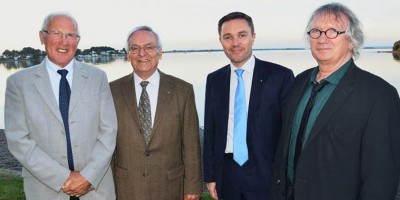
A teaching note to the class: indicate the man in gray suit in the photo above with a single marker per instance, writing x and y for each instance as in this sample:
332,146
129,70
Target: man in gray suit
158,149
62,129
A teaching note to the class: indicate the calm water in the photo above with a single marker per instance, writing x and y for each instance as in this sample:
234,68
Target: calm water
194,67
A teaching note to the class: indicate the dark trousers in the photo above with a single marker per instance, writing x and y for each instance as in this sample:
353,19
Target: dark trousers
239,182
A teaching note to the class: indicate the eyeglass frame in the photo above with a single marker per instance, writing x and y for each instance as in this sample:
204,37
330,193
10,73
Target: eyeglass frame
320,33
60,35
147,49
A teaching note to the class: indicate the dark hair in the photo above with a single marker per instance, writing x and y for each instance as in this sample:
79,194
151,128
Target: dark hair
354,27
236,15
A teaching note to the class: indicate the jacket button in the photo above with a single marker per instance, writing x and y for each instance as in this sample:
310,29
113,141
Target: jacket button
147,154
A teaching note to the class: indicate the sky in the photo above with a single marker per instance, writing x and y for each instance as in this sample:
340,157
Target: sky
188,24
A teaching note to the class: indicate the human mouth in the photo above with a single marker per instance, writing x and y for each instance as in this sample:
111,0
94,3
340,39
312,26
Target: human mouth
62,50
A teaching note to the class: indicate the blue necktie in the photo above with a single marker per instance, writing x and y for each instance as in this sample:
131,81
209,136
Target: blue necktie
64,96
240,153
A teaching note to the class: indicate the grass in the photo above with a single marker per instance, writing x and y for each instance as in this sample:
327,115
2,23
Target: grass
206,196
11,186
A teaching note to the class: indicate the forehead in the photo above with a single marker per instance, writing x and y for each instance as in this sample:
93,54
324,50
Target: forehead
235,25
61,21
142,37
330,20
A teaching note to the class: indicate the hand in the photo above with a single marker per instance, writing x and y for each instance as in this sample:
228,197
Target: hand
212,188
76,185
191,197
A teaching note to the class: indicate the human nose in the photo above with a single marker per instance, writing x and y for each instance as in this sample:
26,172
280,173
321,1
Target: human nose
236,41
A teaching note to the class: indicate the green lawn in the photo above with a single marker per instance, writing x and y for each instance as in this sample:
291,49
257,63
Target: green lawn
11,187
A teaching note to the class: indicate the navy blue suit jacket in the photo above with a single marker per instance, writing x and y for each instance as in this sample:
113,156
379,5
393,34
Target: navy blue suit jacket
270,88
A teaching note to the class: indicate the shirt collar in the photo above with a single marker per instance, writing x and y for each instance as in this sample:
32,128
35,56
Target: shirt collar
335,77
247,66
50,65
154,79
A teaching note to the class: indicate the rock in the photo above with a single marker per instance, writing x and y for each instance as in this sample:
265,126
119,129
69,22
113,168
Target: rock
7,161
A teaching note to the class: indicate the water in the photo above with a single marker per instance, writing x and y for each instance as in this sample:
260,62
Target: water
194,67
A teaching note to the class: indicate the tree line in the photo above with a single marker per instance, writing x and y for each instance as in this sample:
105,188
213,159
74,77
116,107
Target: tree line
31,53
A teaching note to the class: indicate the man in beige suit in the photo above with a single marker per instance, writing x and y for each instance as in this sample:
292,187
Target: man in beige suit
60,120
158,149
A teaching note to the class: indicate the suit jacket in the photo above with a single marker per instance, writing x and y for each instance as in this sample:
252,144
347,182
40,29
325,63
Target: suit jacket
352,151
36,137
170,165
270,87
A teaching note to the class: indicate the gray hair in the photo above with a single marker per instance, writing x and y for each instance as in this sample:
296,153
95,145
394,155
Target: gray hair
354,28
49,17
142,28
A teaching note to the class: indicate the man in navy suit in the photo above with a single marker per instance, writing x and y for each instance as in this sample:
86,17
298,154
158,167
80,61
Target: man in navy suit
266,87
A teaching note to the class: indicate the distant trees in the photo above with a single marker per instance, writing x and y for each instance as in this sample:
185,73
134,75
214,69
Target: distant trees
396,46
31,53
25,53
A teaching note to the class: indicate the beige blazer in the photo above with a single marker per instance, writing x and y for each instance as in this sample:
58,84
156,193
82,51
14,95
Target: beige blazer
170,165
36,137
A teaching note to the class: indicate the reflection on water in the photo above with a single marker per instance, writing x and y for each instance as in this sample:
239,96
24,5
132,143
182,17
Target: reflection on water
396,56
15,64
95,60
100,59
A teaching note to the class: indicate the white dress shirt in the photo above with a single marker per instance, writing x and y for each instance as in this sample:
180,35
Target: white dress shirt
248,68
152,90
56,77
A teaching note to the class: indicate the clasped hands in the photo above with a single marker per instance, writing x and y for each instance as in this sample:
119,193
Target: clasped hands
76,185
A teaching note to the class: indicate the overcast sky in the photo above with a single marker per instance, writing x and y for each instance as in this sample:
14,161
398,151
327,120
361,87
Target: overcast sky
188,24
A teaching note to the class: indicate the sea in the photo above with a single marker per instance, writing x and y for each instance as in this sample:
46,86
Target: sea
194,67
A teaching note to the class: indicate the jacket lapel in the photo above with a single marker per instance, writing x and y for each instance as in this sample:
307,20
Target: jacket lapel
80,77
42,83
129,94
260,77
165,91
338,96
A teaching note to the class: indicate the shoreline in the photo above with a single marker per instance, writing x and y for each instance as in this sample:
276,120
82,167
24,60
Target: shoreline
7,161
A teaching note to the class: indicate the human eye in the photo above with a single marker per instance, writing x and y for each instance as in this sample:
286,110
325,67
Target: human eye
227,37
242,35
57,33
149,48
315,30
134,49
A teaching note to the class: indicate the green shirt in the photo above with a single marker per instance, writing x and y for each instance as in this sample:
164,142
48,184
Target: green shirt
321,99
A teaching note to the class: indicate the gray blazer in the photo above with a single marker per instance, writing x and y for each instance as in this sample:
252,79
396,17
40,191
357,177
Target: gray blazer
35,132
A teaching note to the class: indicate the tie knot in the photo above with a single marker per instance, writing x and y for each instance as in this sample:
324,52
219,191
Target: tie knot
144,84
239,72
318,86
63,72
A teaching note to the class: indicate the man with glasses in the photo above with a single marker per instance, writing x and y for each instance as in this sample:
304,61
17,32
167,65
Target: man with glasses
158,146
341,125
60,120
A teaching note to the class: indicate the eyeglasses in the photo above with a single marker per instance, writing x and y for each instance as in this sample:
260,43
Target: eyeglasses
148,49
59,35
330,33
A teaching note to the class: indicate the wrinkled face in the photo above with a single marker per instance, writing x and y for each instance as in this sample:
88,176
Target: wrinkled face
237,40
144,53
60,50
331,52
